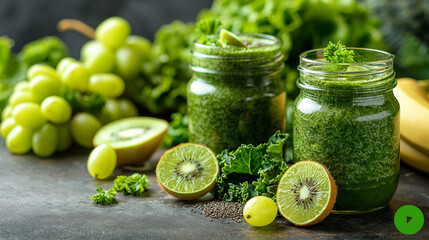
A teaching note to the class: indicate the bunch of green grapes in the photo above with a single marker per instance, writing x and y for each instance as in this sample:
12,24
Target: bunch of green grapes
114,50
37,117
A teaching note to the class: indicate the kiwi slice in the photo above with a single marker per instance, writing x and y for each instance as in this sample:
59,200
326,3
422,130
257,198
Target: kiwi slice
134,139
187,171
231,38
306,193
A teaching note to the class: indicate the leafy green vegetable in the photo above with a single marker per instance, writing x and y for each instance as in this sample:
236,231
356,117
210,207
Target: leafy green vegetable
337,53
104,197
8,62
177,131
208,26
135,184
251,171
84,102
162,87
49,50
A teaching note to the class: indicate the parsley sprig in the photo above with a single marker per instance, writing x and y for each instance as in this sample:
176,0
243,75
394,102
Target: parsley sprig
135,184
338,53
104,197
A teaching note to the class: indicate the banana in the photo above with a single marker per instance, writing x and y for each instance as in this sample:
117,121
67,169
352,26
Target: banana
414,117
414,157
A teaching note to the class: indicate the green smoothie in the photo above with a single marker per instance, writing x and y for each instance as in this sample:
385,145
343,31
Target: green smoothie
349,121
236,95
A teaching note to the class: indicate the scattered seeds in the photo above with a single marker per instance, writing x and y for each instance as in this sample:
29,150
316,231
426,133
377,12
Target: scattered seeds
220,209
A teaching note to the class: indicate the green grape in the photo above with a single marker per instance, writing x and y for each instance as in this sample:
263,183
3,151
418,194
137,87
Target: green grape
56,109
7,112
21,97
75,76
18,141
28,115
43,86
42,69
128,62
22,86
97,58
45,140
128,109
107,84
83,128
102,161
6,126
113,32
111,111
62,65
139,44
260,211
65,139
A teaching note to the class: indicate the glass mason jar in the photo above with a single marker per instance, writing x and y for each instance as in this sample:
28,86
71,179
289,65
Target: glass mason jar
236,95
348,120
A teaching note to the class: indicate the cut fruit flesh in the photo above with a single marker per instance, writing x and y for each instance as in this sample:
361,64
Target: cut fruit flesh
134,139
231,38
187,171
306,193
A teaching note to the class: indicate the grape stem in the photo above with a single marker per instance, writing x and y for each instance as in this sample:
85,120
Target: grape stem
76,25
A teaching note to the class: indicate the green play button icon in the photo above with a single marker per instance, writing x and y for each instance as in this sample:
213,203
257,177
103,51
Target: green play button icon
409,219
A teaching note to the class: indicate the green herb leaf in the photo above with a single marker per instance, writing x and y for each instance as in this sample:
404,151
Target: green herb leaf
177,131
84,102
49,50
251,171
135,184
104,197
208,26
337,53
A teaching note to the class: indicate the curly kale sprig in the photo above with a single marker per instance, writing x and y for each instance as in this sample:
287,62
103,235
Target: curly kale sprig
135,184
252,171
104,197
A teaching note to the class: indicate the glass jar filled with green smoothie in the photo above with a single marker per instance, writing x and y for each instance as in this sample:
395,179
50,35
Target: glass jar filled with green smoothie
236,95
347,118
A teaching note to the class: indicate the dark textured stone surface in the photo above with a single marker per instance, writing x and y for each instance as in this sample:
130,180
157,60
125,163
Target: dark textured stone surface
50,199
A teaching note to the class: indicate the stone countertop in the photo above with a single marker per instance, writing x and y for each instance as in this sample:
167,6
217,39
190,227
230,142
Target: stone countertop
50,199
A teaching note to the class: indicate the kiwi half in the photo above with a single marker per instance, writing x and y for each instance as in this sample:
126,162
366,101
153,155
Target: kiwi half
134,139
306,193
187,171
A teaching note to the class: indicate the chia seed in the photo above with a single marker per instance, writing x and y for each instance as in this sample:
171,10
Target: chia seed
220,209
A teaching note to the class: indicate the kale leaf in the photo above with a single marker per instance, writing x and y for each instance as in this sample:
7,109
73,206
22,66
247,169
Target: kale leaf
251,171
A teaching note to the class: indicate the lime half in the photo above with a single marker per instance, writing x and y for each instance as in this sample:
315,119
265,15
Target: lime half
188,171
231,38
306,193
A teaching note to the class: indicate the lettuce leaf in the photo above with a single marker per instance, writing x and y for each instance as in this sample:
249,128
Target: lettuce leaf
251,171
